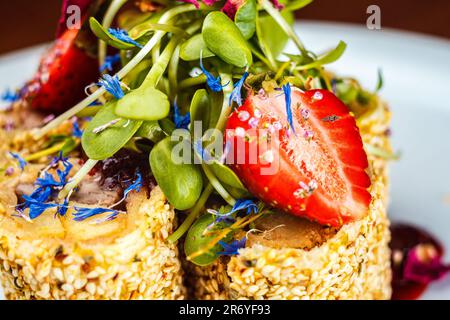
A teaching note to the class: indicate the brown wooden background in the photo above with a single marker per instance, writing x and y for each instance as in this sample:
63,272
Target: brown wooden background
28,22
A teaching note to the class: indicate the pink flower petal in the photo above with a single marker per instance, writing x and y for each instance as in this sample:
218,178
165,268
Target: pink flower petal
231,6
424,265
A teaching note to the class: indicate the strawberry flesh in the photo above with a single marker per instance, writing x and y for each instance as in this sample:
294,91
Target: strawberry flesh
317,169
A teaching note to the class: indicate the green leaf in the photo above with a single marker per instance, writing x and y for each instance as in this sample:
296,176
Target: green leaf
216,108
347,92
296,5
196,240
328,58
144,103
103,145
167,126
104,35
151,130
226,175
142,29
182,183
190,49
245,19
200,109
380,81
69,146
271,37
225,40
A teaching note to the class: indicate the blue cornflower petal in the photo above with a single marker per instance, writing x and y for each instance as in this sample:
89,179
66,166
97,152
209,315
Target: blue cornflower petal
82,214
122,35
236,94
242,204
232,249
135,186
109,63
22,161
76,131
41,194
181,122
37,202
214,83
225,219
112,85
287,95
36,206
49,181
63,207
10,96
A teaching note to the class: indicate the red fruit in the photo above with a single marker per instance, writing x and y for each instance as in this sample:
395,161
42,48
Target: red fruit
318,172
63,74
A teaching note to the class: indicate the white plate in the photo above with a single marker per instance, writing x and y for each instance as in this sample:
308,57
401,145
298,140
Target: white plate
416,70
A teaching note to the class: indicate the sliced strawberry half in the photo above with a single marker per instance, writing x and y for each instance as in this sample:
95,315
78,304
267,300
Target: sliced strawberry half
315,169
64,72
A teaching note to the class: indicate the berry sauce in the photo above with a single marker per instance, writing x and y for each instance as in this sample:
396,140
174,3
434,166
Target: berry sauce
404,239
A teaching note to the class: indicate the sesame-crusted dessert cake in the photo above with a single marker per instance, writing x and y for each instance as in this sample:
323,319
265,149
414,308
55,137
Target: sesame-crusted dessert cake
61,252
154,113
294,258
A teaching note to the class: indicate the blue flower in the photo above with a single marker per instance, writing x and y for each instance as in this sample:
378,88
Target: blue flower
122,35
214,83
181,122
287,95
63,207
236,94
135,186
109,63
38,201
112,85
10,96
232,249
22,162
76,131
241,204
36,206
82,214
95,104
49,181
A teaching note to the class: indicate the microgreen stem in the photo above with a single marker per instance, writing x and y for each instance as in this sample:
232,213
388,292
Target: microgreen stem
156,52
173,72
191,82
76,179
161,62
281,70
271,63
160,65
113,8
46,152
271,10
195,212
227,83
218,186
168,15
